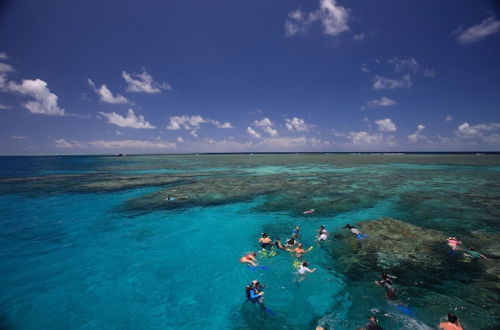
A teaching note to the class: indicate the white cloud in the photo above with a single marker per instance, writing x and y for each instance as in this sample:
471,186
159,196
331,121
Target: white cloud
131,120
284,142
363,137
4,107
271,131
400,65
180,139
18,137
359,37
430,73
417,136
263,122
333,18
3,56
3,81
44,102
448,118
193,122
382,102
106,95
62,143
6,68
296,124
478,32
380,82
136,144
253,133
386,125
364,67
479,131
144,83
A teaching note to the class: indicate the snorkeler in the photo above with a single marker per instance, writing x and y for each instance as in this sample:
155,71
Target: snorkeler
311,211
265,241
453,243
299,251
290,243
373,324
355,231
250,259
472,253
278,244
303,270
386,282
254,293
169,198
322,233
295,232
452,323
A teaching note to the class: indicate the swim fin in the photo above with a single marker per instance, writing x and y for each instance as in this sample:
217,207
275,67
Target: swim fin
269,311
405,310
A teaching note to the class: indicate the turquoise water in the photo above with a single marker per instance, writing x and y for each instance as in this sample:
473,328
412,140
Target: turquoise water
89,242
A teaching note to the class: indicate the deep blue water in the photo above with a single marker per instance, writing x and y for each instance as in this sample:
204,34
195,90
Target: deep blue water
88,242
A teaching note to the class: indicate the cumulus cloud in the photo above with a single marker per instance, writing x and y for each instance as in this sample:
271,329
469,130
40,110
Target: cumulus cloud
253,133
284,142
5,107
332,16
3,56
131,120
263,122
400,65
478,32
271,131
380,82
363,137
485,132
386,125
193,123
6,68
180,139
448,118
417,135
381,102
106,95
62,143
296,124
364,67
144,83
44,101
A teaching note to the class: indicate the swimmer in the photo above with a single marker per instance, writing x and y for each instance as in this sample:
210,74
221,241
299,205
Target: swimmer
254,293
265,241
250,259
472,253
386,282
169,198
322,233
299,251
303,270
311,211
290,243
295,232
355,231
452,323
373,324
453,243
278,244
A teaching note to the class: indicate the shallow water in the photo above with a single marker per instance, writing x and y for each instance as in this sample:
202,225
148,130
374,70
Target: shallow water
90,242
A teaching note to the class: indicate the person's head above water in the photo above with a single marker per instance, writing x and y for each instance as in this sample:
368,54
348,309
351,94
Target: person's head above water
305,263
300,245
322,227
373,319
264,235
452,318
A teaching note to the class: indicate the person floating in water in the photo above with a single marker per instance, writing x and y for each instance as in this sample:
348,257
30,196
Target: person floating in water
299,251
250,258
169,198
303,270
278,244
386,282
322,233
295,232
355,231
471,253
311,211
265,241
453,243
254,293
290,244
452,323
372,324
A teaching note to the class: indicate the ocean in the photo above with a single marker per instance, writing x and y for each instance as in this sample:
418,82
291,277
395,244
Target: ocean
89,242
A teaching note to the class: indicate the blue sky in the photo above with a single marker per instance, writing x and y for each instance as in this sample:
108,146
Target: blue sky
84,77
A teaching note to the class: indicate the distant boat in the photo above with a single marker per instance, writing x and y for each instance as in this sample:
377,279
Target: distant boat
120,155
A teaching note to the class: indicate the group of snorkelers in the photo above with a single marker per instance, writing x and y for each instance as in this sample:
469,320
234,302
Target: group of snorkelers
255,293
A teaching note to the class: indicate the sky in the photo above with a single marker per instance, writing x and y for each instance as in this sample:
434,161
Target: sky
158,76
